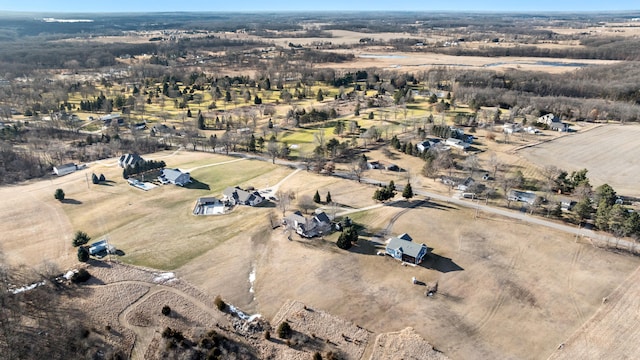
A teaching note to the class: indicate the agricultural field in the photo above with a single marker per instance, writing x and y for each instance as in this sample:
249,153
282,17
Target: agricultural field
605,151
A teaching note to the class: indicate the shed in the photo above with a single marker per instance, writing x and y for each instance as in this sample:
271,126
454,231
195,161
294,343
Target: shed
65,169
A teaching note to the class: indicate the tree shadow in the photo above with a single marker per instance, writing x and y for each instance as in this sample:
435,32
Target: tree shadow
120,252
425,204
366,247
106,183
197,185
440,263
266,204
71,201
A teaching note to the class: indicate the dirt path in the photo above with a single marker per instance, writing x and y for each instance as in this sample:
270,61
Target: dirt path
214,164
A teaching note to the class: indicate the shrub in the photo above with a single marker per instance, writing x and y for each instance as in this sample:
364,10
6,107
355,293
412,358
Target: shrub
80,238
166,310
220,304
81,276
59,194
83,254
267,335
284,330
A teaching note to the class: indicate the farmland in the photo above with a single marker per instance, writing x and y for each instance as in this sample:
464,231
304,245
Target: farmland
604,151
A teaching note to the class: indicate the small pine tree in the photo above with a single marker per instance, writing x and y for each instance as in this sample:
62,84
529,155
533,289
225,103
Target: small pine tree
220,304
102,178
407,193
316,197
166,310
80,238
95,179
316,356
328,197
284,330
59,195
267,335
83,254
371,115
344,241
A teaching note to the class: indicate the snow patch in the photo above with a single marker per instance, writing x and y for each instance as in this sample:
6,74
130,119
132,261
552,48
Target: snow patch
241,315
69,274
164,277
27,287
252,278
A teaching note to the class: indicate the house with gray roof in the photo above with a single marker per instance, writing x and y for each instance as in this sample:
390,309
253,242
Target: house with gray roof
317,225
238,196
404,249
174,176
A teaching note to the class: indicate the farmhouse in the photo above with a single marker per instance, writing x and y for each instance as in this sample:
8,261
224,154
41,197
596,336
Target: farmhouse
238,196
65,169
463,186
404,249
174,176
528,197
129,160
427,144
318,225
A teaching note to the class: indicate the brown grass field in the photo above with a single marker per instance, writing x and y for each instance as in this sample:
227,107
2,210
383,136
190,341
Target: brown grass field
606,151
507,289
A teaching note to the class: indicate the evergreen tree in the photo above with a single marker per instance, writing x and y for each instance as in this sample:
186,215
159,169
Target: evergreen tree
59,195
316,197
319,96
252,144
201,122
284,330
371,115
328,197
102,178
94,179
80,238
83,254
189,113
344,242
407,193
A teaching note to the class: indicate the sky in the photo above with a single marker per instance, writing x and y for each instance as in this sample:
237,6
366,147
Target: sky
317,5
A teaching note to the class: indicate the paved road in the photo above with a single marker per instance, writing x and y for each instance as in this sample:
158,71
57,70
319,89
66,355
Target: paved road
601,239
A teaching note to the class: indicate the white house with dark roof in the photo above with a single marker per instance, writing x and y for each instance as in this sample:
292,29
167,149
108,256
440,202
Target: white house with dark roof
404,249
174,176
238,196
317,225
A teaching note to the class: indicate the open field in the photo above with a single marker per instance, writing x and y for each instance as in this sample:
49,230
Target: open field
380,58
612,333
605,151
505,289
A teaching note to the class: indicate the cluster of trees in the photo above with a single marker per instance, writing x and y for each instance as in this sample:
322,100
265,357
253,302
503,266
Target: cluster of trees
95,179
39,323
348,237
385,193
142,167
